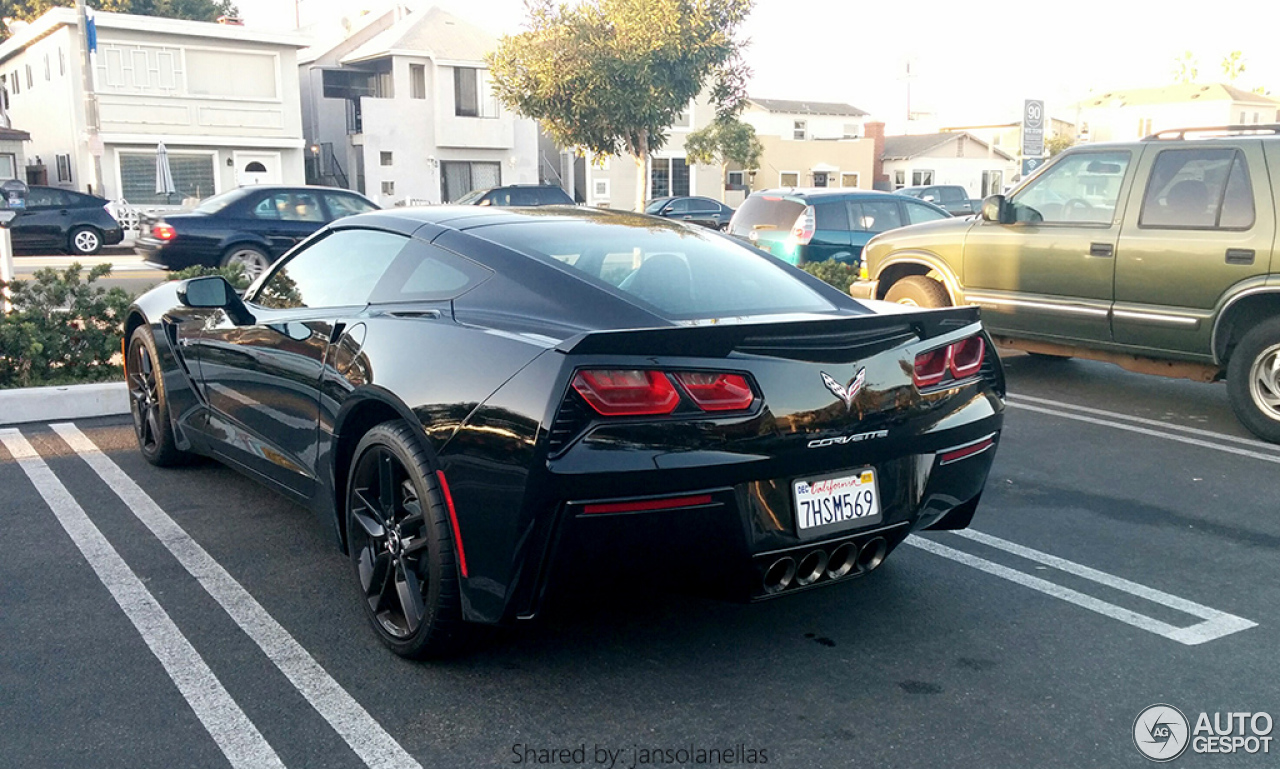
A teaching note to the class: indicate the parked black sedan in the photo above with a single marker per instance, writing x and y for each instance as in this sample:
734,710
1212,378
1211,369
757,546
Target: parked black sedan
489,399
62,220
248,226
704,211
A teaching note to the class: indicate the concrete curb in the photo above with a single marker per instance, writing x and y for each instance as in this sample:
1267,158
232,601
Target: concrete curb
49,404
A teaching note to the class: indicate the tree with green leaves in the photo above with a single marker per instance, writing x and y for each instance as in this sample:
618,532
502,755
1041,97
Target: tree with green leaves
1186,68
1057,143
1233,66
196,10
726,140
610,76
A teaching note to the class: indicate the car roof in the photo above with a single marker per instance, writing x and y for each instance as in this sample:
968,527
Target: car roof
804,193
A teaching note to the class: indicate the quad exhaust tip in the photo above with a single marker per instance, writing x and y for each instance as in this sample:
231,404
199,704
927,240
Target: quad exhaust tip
779,575
847,558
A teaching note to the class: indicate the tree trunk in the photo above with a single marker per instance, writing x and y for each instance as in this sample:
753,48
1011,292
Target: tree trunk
724,176
642,169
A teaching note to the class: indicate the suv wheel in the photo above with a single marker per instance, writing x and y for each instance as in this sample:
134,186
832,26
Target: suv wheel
919,291
1253,380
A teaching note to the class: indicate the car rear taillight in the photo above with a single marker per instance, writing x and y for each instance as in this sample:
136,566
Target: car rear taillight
162,231
961,359
717,392
627,392
966,357
930,367
802,230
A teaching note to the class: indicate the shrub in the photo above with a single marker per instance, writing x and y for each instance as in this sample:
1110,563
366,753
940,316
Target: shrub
838,274
62,329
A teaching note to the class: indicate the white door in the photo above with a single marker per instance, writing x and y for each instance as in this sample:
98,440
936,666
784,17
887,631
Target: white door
257,168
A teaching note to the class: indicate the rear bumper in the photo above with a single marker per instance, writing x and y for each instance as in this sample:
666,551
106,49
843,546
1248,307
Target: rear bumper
741,541
864,289
163,255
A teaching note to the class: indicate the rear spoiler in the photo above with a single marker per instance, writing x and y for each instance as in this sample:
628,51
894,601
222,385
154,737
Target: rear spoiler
812,338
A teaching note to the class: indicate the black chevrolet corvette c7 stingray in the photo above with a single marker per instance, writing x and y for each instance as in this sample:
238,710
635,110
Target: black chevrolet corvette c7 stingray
477,401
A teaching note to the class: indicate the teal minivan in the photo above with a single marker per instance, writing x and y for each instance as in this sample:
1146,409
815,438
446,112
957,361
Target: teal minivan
814,225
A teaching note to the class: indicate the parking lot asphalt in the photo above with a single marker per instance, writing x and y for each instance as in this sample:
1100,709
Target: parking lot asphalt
1125,554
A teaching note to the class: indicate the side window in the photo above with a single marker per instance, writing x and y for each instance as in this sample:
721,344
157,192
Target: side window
875,215
1202,188
678,207
424,272
953,194
338,270
43,197
266,209
832,216
299,207
917,214
930,195
346,205
703,206
1081,188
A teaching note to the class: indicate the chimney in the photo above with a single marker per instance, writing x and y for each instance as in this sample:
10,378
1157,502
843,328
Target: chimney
231,21
875,132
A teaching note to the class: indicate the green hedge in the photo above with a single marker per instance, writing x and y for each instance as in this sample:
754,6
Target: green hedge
839,274
66,330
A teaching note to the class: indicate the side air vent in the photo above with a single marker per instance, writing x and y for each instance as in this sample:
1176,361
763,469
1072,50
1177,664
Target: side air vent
571,420
990,366
844,347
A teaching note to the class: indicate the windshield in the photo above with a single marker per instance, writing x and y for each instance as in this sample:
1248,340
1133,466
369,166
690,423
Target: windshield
470,197
655,205
685,273
216,203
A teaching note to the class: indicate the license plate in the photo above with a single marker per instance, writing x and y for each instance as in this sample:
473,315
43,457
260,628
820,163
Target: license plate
845,500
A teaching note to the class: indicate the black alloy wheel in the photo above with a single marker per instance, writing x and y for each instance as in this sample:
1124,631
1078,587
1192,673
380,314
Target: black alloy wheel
148,402
401,545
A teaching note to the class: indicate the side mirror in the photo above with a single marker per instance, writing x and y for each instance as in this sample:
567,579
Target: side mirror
214,292
995,208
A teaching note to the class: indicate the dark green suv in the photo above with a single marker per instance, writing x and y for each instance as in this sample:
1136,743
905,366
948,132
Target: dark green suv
1157,255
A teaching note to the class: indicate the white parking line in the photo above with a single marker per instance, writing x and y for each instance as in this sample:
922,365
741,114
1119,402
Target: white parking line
1169,436
372,743
236,736
1211,434
1216,624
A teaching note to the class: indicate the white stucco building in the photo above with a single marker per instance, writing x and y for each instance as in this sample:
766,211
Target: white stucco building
1133,114
401,110
223,99
947,158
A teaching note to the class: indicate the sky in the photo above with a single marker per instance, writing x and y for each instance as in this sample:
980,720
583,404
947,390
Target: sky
971,63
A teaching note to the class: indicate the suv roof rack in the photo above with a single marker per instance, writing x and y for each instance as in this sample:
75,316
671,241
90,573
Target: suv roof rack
1176,134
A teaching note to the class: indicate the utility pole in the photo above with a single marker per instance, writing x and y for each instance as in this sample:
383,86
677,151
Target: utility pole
92,123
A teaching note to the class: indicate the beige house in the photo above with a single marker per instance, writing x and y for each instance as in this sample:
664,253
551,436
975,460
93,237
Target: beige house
807,144
1008,136
611,180
1133,114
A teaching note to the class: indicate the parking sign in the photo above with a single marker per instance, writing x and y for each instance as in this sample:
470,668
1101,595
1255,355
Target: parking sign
1032,128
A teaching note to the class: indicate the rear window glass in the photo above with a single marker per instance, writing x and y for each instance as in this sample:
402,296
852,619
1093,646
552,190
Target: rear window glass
765,212
684,273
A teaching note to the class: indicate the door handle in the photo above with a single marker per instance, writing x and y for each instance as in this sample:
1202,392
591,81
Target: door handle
1101,249
1240,256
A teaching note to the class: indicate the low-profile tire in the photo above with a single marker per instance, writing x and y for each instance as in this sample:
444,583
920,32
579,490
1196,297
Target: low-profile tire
919,291
253,260
1253,380
149,402
401,544
84,241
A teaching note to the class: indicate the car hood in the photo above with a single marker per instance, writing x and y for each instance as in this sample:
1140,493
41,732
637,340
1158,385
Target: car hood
923,236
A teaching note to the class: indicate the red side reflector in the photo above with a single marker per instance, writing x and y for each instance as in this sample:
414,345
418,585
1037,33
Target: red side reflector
617,392
453,521
955,455
966,357
931,366
717,392
639,506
